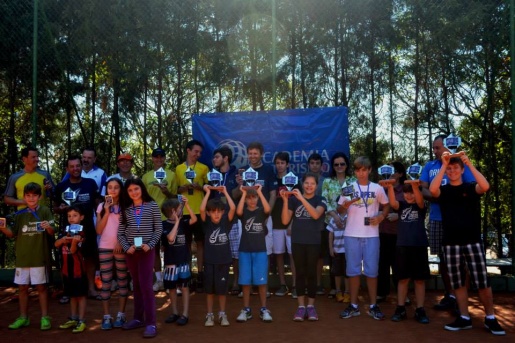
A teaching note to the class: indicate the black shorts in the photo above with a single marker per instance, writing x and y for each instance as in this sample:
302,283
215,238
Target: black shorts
75,287
194,231
339,265
412,263
216,278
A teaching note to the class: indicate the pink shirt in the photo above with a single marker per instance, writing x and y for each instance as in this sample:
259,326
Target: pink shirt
108,238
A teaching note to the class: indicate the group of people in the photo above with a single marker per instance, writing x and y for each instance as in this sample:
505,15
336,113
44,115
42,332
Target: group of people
116,227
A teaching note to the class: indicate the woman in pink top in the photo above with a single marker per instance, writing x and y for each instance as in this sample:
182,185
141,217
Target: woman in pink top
111,255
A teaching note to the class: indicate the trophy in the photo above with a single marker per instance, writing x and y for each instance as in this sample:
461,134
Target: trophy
214,178
348,191
452,143
289,181
160,175
386,172
69,196
190,176
414,173
74,229
249,177
180,209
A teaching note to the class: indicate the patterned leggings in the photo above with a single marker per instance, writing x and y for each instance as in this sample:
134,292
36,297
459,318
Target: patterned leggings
108,262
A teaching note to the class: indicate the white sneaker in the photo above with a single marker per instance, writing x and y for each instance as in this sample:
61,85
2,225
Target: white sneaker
244,316
210,320
265,316
222,319
158,286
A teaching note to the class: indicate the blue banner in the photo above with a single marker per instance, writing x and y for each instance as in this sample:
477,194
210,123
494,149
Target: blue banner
299,132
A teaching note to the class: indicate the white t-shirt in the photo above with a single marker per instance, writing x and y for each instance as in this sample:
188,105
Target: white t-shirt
371,196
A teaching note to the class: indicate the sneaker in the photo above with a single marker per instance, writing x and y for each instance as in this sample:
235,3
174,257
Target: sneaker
107,323
69,324
294,293
459,324
281,292
120,321
19,323
493,326
133,324
244,316
150,331
346,297
265,315
350,311
98,282
311,314
158,286
400,314
81,326
46,324
339,296
172,318
320,290
331,294
183,320
447,303
210,320
299,314
375,312
222,319
421,316
240,295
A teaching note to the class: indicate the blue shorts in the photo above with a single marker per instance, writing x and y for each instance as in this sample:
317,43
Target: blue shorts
358,250
176,275
253,268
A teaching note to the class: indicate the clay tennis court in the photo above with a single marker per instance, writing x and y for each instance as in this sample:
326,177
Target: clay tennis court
330,328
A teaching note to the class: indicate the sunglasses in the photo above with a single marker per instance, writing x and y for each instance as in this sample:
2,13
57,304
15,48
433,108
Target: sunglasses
340,164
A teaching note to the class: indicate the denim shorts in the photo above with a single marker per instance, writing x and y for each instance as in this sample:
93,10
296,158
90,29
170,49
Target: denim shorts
362,250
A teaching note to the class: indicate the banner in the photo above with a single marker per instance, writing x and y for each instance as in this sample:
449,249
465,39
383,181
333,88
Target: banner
299,132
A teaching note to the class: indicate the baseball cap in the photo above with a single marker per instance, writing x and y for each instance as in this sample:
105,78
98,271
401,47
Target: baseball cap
158,152
124,156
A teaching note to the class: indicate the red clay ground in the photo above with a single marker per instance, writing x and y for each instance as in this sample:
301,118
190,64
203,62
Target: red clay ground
328,329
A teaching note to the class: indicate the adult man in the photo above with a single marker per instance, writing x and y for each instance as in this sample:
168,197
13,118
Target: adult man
124,162
13,195
159,190
85,194
429,172
191,177
222,158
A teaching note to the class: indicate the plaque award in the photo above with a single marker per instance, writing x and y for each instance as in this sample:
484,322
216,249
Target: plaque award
249,178
160,175
190,175
214,178
69,196
386,172
74,229
414,172
452,143
289,181
348,191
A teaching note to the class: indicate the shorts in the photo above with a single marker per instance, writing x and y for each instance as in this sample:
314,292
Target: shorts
75,287
216,278
282,241
234,239
31,276
269,238
253,268
176,276
411,263
435,237
338,264
358,250
194,231
459,258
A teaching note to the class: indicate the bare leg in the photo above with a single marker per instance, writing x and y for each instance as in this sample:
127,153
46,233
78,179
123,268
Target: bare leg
279,258
487,299
246,295
354,289
23,299
209,300
82,307
262,295
185,301
372,289
222,300
420,292
173,300
301,300
462,298
402,291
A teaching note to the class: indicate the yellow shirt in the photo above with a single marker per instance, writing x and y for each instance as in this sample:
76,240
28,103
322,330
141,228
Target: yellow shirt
194,199
155,192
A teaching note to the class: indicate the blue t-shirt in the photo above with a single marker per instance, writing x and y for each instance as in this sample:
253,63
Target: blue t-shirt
410,229
428,174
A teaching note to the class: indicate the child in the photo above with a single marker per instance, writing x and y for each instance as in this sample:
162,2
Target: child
73,270
309,210
111,254
217,260
337,253
177,257
140,230
462,245
32,227
362,236
411,252
253,260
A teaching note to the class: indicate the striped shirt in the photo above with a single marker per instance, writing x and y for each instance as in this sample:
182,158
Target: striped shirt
338,239
142,221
